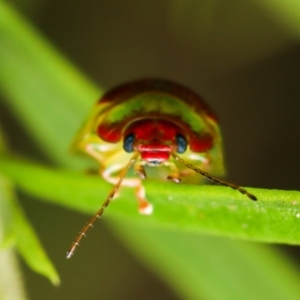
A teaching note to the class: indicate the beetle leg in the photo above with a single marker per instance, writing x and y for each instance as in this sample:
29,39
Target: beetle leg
145,208
94,152
174,175
139,169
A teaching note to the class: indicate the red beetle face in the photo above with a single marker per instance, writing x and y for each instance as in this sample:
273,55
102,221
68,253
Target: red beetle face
153,139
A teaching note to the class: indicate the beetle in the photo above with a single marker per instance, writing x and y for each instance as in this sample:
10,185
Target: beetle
152,123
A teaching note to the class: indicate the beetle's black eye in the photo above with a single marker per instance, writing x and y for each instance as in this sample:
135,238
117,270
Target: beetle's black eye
128,142
181,143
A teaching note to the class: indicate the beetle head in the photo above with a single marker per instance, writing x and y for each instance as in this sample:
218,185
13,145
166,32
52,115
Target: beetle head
155,140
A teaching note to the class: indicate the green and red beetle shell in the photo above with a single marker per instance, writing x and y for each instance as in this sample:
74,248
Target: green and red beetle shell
155,113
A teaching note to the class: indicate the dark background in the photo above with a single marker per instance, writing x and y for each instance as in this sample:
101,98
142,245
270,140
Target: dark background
241,57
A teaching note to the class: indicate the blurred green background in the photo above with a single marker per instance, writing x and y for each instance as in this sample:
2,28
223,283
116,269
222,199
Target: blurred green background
241,56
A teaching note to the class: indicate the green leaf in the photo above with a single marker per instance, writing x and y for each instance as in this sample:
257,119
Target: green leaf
42,87
6,214
286,12
30,248
168,241
215,210
15,230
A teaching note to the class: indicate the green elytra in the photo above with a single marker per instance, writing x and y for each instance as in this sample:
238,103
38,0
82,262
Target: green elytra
152,123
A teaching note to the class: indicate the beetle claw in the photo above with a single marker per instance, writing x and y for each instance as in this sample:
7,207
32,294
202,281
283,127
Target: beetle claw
174,178
145,208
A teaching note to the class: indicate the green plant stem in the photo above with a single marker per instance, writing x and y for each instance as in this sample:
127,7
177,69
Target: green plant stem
11,283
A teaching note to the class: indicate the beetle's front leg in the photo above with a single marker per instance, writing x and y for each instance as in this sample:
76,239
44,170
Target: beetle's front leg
145,208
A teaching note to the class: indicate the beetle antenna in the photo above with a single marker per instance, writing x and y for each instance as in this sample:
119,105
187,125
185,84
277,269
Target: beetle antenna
215,179
99,213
